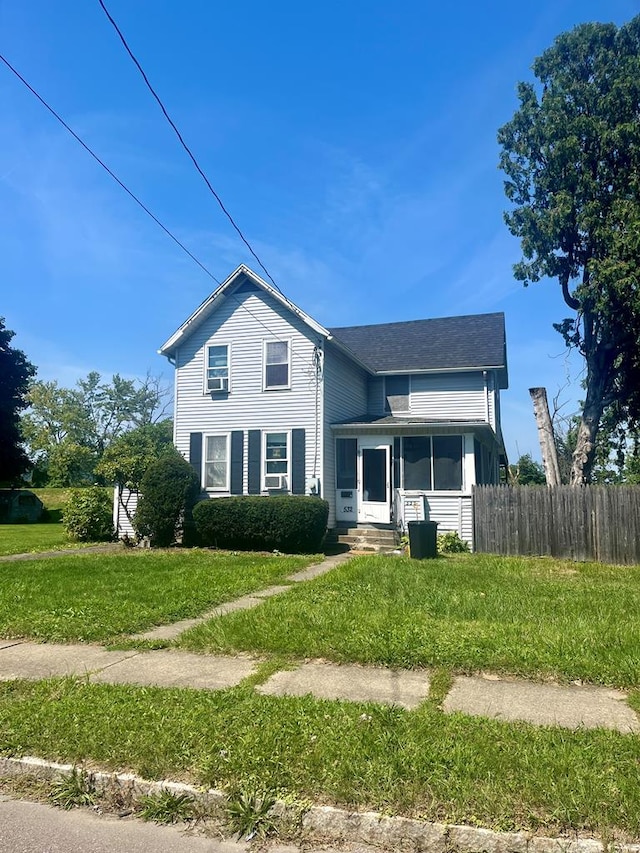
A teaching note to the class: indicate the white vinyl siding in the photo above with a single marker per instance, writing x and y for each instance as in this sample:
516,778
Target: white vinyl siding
215,463
452,513
440,396
242,318
448,396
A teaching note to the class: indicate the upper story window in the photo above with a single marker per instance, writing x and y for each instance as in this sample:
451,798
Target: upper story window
396,394
276,364
217,368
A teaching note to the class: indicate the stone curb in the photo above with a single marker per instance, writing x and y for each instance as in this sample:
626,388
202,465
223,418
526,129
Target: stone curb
327,824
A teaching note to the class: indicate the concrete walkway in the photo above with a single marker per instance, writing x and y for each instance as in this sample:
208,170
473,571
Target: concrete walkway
571,706
64,552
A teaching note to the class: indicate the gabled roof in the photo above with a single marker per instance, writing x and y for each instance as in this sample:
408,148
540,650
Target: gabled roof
446,344
471,342
241,278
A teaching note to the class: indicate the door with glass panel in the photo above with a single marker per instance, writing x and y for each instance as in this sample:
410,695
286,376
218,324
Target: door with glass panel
374,463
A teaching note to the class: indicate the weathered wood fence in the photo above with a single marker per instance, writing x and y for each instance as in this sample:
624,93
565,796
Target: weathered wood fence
588,523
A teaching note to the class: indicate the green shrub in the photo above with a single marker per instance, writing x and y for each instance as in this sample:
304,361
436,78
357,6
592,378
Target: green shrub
168,489
451,543
88,515
293,524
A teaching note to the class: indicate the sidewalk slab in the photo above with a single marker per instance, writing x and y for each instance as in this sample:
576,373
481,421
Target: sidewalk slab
406,688
63,552
318,569
272,590
569,706
174,629
166,668
39,660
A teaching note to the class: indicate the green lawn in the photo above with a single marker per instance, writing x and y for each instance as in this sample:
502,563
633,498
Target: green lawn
25,538
50,535
529,617
98,597
421,763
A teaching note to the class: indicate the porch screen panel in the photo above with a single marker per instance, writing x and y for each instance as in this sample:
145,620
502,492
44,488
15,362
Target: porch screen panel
417,462
397,444
346,455
447,462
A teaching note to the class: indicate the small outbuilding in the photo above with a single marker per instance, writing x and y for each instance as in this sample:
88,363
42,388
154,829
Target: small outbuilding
20,506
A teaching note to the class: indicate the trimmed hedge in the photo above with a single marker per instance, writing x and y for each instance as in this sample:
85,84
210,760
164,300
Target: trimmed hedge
293,524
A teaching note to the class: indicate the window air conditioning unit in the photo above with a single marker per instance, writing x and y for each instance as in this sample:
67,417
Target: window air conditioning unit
218,383
274,481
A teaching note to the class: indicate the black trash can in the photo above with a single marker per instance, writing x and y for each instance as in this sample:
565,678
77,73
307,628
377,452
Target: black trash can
423,542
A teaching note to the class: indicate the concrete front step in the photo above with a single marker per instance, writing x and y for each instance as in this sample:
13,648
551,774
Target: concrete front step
369,540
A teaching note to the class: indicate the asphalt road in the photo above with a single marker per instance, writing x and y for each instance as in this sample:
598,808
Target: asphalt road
27,827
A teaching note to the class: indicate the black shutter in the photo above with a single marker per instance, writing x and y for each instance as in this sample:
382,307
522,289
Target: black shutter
297,461
237,459
195,453
255,440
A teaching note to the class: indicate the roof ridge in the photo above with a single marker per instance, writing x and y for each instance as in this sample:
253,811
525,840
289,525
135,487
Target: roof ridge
418,320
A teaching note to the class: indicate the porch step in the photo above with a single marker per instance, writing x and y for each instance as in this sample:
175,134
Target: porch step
367,539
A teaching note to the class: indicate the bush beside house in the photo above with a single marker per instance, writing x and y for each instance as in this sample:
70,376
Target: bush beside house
169,489
88,515
289,523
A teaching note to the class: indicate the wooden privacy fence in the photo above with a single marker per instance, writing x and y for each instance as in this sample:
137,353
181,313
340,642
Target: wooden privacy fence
585,523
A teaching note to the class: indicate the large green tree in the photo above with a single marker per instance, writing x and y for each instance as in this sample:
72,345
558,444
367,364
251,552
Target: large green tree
571,154
68,429
15,373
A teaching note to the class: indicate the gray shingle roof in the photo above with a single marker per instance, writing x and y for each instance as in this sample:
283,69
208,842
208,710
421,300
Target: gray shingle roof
445,343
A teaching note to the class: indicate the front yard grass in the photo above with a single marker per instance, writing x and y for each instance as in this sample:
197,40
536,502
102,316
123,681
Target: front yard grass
100,597
420,763
27,538
46,536
532,617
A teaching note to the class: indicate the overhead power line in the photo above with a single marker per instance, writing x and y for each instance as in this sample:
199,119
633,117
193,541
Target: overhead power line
184,144
107,169
140,203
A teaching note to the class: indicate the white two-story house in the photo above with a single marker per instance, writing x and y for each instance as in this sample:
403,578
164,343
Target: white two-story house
386,422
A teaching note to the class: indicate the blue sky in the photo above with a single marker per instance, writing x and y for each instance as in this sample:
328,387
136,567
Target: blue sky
354,142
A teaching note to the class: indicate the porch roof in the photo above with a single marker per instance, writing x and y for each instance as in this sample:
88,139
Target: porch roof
392,424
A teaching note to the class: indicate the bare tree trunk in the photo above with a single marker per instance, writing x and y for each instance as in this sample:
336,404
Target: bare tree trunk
545,435
584,454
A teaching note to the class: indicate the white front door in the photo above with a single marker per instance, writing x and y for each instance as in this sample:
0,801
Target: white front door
374,491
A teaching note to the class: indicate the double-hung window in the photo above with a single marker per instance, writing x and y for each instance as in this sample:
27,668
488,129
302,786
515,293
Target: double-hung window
276,365
276,460
217,368
216,463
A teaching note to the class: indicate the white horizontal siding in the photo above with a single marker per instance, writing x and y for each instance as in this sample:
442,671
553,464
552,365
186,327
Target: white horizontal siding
121,523
245,322
453,512
455,396
345,397
441,396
